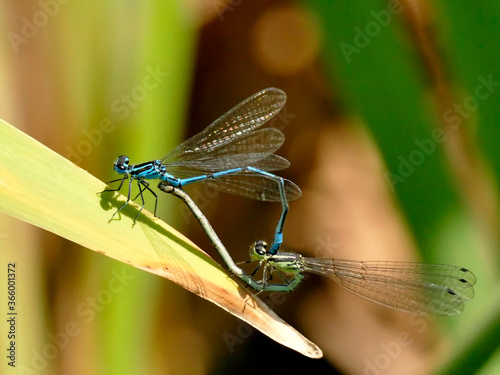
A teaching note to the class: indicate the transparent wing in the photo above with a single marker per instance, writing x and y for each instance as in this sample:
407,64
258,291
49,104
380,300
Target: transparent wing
419,288
272,163
269,163
242,119
249,185
245,151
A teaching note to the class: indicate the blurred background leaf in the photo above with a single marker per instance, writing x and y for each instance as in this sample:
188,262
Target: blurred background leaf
391,131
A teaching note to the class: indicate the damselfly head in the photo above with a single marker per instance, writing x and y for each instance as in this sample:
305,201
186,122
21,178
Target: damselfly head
258,250
121,164
260,247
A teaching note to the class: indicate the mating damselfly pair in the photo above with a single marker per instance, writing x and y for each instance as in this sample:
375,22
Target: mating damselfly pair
231,155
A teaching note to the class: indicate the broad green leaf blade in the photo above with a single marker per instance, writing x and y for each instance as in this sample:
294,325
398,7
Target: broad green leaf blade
480,345
382,82
42,188
467,42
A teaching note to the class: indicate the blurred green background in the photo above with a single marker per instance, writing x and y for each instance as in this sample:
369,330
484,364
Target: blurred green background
392,124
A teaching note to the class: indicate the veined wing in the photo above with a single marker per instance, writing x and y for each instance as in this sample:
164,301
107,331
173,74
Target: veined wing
245,117
245,151
419,288
269,163
272,163
254,186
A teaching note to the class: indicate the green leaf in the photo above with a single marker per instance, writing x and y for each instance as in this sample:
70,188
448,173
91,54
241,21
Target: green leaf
43,188
382,84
